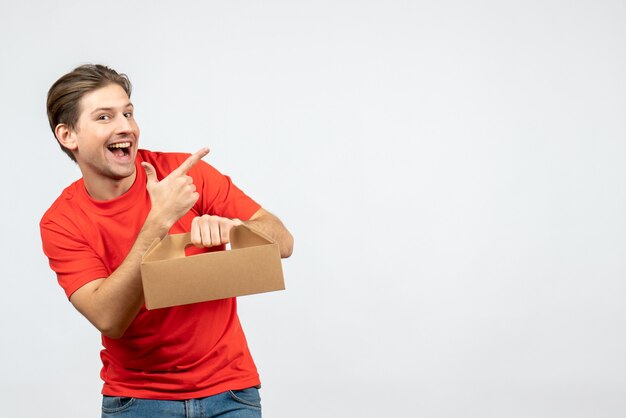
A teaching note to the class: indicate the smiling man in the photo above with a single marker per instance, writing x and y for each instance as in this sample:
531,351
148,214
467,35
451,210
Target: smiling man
184,361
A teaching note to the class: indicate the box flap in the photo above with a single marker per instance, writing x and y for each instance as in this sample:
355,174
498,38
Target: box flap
150,248
170,247
173,246
244,236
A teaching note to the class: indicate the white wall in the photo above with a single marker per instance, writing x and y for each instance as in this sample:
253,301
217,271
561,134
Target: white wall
453,173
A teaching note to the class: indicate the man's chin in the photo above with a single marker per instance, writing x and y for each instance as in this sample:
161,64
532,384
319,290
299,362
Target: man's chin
119,175
118,171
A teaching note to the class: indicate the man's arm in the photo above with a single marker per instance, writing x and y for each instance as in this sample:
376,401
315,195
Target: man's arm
112,303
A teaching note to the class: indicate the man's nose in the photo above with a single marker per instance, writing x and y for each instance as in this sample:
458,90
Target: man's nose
124,125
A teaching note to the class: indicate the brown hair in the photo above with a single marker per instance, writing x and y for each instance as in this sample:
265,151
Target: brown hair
64,96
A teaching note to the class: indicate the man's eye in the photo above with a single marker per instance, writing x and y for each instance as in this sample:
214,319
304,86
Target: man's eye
128,115
103,117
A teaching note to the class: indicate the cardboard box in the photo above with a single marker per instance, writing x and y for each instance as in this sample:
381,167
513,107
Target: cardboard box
170,278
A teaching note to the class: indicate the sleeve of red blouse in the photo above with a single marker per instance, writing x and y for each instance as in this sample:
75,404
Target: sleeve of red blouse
219,195
71,258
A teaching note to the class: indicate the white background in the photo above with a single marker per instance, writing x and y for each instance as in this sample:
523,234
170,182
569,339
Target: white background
452,171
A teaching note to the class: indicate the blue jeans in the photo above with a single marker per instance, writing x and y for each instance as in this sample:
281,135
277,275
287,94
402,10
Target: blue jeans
231,404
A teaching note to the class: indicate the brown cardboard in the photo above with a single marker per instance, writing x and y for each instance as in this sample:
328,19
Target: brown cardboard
252,265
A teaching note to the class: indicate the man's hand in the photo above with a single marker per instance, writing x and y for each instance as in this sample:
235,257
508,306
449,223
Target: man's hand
173,196
209,231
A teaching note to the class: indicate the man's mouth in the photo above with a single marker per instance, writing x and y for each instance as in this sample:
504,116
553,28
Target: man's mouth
120,149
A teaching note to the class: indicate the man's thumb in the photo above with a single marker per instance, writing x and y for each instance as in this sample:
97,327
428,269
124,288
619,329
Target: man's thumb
150,172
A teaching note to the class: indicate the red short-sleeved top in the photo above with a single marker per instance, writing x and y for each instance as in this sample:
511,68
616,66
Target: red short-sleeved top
181,352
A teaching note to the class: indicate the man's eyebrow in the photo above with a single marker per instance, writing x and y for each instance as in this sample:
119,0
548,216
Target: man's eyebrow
108,109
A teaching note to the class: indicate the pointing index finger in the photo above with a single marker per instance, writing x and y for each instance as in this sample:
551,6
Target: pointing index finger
191,161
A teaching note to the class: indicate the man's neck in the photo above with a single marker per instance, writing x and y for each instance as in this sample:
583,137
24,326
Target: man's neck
101,188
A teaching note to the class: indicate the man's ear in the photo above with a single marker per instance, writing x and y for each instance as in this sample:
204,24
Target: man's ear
66,136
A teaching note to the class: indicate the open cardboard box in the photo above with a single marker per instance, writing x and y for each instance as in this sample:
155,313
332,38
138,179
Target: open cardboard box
170,278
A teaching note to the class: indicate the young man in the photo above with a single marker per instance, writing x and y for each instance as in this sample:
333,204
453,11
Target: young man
184,361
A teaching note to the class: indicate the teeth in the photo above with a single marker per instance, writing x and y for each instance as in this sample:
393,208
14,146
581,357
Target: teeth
120,145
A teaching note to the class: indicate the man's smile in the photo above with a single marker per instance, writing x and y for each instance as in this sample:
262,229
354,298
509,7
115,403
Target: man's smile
120,150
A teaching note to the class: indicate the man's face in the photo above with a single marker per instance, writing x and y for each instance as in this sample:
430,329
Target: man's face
106,135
